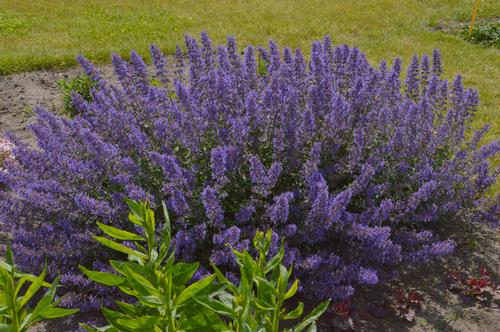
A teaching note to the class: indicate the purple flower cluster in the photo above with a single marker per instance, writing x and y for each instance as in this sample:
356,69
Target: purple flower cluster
354,165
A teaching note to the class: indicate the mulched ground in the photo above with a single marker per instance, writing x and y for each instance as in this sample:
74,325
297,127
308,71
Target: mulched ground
443,309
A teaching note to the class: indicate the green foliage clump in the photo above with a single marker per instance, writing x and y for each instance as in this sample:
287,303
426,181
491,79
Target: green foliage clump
15,295
169,300
81,84
256,302
487,34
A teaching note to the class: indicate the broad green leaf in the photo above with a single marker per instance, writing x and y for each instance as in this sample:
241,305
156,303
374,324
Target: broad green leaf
119,234
3,309
120,266
150,221
282,280
294,314
265,285
33,288
134,207
112,316
7,281
9,257
57,312
293,289
108,328
216,306
119,247
19,285
105,278
8,268
198,318
183,272
312,317
46,302
140,284
248,267
143,323
276,260
263,305
312,327
135,219
223,280
194,289
166,232
127,308
152,301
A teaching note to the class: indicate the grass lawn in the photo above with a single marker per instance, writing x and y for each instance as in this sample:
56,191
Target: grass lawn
49,33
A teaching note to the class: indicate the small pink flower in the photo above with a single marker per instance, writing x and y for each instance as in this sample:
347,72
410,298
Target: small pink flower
5,152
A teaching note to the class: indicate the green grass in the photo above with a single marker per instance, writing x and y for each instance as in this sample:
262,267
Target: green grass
49,33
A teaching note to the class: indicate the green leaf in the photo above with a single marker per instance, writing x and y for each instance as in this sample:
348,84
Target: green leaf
282,280
127,308
140,284
150,221
248,267
198,318
119,247
294,314
9,258
108,328
135,220
183,272
89,328
112,316
166,232
42,305
216,306
34,287
3,309
119,234
8,268
312,317
194,289
120,266
293,289
135,207
276,260
57,312
152,301
143,323
105,278
263,305
312,327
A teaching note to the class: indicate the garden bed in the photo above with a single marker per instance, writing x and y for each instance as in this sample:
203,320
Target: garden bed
441,310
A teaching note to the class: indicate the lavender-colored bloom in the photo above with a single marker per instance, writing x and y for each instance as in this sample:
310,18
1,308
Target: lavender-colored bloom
213,209
278,212
245,214
374,163
368,276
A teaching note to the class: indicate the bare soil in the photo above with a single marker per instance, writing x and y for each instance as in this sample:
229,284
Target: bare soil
442,309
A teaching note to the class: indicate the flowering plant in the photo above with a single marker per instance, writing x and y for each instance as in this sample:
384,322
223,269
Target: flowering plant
167,300
359,169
